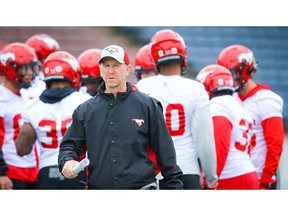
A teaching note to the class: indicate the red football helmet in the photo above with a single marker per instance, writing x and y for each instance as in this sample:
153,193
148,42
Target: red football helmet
215,78
88,62
61,65
18,60
143,62
43,45
166,46
240,61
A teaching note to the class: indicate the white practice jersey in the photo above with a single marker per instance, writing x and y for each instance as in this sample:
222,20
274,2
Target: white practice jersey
11,106
180,97
238,161
50,122
261,105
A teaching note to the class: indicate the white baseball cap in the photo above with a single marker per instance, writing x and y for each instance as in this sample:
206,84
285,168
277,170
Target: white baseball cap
116,52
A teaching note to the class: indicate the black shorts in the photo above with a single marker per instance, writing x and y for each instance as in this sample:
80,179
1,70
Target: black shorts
17,184
51,178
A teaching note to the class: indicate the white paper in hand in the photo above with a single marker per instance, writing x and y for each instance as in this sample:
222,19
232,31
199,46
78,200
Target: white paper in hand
79,167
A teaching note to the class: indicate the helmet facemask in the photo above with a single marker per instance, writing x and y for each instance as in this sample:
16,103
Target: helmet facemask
19,64
25,73
242,74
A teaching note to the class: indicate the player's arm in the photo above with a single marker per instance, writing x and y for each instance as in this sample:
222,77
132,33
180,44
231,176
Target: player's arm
273,129
26,139
202,130
222,134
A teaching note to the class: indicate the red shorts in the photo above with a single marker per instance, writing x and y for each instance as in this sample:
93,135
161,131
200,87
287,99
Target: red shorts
247,181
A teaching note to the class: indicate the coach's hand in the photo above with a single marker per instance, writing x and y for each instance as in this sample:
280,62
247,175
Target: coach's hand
67,170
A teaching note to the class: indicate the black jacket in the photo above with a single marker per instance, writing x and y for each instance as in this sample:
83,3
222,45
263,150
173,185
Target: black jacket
117,133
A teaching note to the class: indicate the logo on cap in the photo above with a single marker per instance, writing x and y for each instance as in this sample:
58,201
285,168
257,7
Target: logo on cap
115,52
112,50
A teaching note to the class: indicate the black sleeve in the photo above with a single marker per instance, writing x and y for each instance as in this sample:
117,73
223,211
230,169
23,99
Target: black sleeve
158,103
3,165
73,143
163,146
